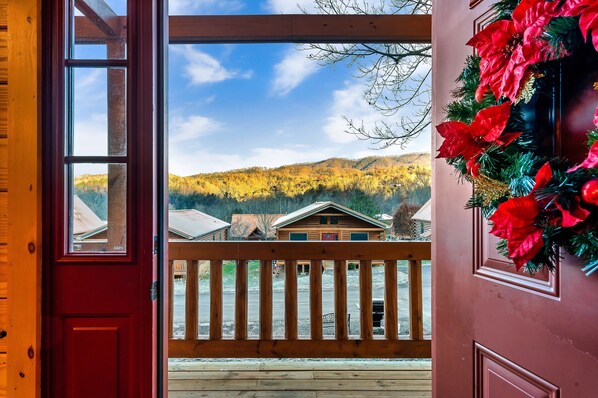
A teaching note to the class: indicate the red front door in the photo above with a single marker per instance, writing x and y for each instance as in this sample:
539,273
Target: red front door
101,200
329,235
496,333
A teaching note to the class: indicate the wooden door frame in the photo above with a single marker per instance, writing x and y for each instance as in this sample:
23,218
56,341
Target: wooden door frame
28,77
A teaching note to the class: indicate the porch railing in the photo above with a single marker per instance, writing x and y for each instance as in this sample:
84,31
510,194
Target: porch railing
288,254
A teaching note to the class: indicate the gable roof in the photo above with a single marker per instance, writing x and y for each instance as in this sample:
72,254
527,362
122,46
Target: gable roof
424,213
244,225
84,219
319,206
193,224
189,224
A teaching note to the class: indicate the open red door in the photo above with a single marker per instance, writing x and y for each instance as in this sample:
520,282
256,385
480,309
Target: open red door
101,191
498,333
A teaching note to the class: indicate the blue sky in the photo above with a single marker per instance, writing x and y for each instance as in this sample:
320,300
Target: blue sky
240,105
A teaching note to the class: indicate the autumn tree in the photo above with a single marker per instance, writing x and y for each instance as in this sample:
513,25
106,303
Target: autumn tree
396,76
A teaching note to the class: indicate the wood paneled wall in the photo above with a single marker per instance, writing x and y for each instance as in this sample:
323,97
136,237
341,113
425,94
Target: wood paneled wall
20,197
3,192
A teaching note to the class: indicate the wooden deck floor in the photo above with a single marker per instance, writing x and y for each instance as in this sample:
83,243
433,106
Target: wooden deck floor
310,379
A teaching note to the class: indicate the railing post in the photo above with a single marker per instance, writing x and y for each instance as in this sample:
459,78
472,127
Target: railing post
391,310
265,300
215,299
315,299
290,300
365,300
241,301
340,299
415,300
191,300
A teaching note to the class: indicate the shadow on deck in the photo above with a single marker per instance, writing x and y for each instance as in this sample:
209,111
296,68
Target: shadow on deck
300,378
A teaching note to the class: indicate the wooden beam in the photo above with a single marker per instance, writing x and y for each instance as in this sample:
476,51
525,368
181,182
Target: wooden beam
300,28
314,250
24,211
101,15
376,348
278,29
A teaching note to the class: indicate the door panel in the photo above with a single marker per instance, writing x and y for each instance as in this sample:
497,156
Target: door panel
499,333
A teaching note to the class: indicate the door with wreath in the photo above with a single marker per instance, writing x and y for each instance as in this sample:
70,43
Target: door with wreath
499,330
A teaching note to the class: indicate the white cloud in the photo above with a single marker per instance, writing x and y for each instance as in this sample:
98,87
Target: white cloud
90,135
189,7
290,6
186,161
292,71
202,68
349,102
192,127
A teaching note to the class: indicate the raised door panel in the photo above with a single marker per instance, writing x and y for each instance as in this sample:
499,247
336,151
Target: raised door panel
93,346
497,377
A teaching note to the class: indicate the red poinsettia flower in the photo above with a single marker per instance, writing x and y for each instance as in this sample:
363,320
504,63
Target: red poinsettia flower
574,215
591,161
509,48
588,12
470,141
515,221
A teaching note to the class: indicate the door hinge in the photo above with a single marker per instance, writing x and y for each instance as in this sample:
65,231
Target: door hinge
156,244
154,291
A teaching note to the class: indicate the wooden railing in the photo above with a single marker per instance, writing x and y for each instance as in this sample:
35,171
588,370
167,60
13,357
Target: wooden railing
389,345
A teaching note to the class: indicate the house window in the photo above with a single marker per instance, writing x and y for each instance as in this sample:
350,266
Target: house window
298,236
334,220
359,236
323,220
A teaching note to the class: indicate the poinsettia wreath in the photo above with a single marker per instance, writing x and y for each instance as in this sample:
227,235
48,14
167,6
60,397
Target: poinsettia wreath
536,204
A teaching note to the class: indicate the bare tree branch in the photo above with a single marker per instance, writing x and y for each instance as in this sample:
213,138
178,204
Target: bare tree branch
396,75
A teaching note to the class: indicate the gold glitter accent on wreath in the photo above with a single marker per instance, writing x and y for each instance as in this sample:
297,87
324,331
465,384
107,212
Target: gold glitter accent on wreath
490,189
527,91
596,86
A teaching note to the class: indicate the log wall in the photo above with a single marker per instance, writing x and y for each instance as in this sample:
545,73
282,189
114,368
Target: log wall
3,192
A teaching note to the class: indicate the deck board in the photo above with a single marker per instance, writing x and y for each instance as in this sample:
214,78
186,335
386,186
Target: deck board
310,379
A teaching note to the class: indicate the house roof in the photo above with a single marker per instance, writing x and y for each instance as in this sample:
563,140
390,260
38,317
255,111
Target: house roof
319,206
189,224
243,225
424,213
193,224
84,219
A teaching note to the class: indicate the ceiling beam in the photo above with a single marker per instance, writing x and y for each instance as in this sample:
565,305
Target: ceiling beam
300,28
277,29
101,15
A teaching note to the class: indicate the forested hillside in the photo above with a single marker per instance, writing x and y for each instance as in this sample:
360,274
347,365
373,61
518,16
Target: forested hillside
370,185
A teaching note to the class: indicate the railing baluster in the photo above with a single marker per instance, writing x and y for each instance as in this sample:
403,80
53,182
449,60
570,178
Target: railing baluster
191,300
265,300
340,299
215,299
315,299
241,301
290,300
170,299
391,322
365,300
415,300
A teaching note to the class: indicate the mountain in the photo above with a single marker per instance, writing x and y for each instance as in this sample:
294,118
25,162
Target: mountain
374,184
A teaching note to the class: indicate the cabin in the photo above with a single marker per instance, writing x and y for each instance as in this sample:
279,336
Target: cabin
421,222
328,221
99,324
194,225
253,226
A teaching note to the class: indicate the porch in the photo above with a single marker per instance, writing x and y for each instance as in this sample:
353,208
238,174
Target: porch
248,323
295,378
